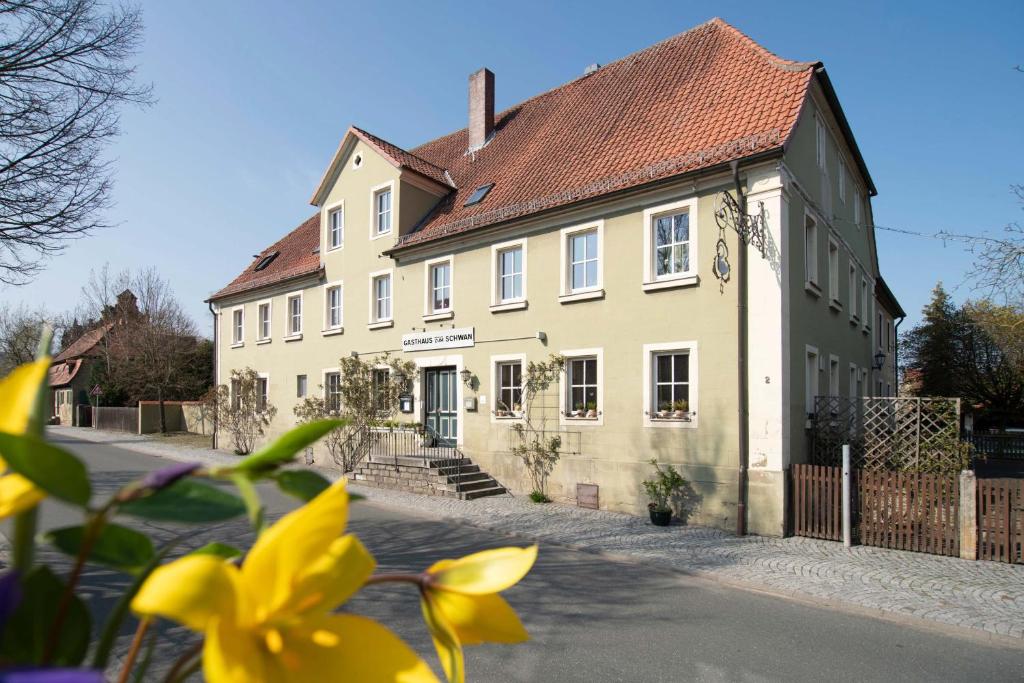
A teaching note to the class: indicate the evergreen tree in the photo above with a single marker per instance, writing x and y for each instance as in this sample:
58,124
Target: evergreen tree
930,348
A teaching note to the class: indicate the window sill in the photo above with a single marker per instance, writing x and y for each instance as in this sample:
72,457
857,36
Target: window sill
835,305
374,235
332,331
671,283
263,341
380,325
689,422
237,345
509,306
854,320
581,296
293,337
812,288
441,315
337,248
866,330
512,417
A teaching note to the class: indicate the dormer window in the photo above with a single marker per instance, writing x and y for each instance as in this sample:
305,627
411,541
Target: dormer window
265,261
478,194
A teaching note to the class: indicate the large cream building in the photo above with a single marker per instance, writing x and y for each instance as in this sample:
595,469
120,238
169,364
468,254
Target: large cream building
582,222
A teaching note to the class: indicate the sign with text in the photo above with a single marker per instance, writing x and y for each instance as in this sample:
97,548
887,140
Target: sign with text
439,339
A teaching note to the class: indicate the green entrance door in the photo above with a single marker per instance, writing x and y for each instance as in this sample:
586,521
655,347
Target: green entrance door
440,404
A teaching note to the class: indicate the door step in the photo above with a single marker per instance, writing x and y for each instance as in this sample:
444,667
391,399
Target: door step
451,477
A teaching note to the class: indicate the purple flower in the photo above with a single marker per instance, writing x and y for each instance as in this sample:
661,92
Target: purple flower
10,595
37,675
166,476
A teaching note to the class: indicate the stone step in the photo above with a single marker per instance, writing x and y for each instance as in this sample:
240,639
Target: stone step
483,493
450,470
466,487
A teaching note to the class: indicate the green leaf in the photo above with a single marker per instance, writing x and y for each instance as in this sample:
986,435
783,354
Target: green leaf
253,504
303,484
27,632
186,501
290,443
52,469
115,546
228,552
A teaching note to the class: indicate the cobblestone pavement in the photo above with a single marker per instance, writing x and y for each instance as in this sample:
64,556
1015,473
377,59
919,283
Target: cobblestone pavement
987,597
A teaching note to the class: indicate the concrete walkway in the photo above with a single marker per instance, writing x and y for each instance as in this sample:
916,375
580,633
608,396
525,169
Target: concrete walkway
986,597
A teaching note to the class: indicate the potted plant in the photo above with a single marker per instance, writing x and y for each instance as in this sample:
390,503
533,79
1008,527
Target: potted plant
663,410
501,410
517,410
679,409
577,411
592,409
665,484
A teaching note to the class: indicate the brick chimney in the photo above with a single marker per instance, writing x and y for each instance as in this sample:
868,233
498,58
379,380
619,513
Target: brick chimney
481,108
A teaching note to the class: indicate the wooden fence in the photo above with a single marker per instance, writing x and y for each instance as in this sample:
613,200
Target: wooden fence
116,419
909,511
818,501
1001,520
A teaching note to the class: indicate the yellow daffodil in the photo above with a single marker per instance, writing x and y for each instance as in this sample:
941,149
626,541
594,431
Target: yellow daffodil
18,393
461,604
271,619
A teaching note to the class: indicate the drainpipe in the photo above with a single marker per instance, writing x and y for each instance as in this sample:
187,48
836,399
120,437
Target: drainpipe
741,363
213,437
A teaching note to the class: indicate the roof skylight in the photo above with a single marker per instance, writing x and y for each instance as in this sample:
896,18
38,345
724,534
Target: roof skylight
478,194
265,261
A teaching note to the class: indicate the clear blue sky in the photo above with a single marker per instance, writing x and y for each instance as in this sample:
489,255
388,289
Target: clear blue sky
254,97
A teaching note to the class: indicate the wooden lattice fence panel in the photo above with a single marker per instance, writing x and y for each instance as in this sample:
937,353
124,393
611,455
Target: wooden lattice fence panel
891,433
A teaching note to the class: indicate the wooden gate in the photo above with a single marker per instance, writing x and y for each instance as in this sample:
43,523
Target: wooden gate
818,501
1001,520
909,511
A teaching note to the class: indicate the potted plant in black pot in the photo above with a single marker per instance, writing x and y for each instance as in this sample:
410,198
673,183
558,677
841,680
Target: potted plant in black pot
665,484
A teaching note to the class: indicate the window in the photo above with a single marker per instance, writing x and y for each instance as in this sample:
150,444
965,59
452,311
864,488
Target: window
379,387
833,271
865,313
881,333
810,251
262,393
478,194
821,140
672,244
842,181
581,375
381,298
265,261
889,335
853,293
382,211
510,388
671,385
238,326
853,381
510,274
858,206
294,314
332,391
300,386
332,307
833,376
263,316
811,378
439,286
583,260
336,227
236,394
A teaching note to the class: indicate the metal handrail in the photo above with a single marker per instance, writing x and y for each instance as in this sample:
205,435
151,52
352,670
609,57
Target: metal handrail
384,443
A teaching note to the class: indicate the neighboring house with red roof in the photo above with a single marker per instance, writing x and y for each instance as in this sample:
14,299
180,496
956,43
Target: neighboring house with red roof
585,222
70,374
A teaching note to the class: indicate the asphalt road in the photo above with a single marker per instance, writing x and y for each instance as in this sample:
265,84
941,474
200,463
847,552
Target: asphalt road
593,619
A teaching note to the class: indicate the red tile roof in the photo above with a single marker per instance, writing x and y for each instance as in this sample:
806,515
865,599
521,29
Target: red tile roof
298,255
62,373
698,99
84,345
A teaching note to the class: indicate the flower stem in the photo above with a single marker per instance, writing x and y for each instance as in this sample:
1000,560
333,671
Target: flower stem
183,664
418,579
24,539
133,651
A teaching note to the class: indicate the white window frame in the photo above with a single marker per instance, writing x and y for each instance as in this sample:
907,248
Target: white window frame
289,333
374,191
811,254
833,375
301,386
497,303
652,350
812,377
265,377
652,281
821,143
833,271
238,328
496,362
375,322
429,312
323,384
563,387
260,337
328,328
854,374
858,207
842,179
329,211
854,294
866,299
566,293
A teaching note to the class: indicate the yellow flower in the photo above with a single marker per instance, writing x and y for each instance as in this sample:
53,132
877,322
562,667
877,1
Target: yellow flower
18,393
461,604
271,619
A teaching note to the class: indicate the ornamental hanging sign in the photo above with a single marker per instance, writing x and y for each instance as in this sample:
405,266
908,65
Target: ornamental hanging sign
439,339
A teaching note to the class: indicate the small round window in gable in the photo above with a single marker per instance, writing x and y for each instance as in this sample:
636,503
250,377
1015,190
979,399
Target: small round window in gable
357,161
